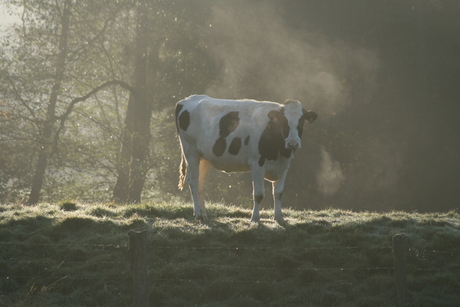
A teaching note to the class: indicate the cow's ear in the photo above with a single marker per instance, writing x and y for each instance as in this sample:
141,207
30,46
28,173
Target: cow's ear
310,115
275,114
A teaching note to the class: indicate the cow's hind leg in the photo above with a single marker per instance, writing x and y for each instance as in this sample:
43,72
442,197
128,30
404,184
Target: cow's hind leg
204,168
194,175
258,193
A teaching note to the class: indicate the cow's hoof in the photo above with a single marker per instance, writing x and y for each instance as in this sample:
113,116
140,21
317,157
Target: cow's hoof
201,218
281,221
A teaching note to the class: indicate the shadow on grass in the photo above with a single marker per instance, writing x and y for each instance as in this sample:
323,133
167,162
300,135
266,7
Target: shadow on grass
225,261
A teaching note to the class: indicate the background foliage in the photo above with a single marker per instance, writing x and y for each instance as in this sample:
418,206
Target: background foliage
382,75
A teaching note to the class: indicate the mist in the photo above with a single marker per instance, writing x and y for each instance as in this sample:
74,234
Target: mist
330,176
382,76
262,58
360,153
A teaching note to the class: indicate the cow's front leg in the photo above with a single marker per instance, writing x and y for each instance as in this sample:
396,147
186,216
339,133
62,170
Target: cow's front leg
258,194
278,187
194,175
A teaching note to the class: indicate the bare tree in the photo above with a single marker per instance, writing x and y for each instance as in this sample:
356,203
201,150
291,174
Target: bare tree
132,163
55,40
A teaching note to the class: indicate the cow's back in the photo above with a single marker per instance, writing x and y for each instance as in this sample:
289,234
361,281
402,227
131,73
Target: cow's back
224,132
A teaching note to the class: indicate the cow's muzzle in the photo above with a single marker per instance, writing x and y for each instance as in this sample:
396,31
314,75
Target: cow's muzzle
292,145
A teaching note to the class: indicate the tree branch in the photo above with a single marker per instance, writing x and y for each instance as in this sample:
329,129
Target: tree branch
123,84
91,40
62,118
18,95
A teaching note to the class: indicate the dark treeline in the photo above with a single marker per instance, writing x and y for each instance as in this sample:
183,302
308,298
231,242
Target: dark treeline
88,89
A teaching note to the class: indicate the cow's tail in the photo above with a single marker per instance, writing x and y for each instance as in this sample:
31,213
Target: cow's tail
182,171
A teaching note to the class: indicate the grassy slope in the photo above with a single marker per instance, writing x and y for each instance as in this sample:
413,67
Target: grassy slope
62,254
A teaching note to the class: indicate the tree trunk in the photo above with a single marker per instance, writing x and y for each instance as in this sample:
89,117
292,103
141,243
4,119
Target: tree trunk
39,176
46,147
141,141
134,153
421,6
121,189
142,110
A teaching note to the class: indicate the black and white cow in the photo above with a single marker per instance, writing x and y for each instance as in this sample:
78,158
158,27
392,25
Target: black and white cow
238,136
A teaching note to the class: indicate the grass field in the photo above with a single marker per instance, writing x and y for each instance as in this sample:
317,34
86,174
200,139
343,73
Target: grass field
74,254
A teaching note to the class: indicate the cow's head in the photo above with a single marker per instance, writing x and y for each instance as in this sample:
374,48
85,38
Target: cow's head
290,119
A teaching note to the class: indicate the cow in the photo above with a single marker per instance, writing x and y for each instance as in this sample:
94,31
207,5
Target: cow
238,136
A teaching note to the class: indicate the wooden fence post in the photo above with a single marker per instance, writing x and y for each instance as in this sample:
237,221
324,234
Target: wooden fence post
139,267
399,251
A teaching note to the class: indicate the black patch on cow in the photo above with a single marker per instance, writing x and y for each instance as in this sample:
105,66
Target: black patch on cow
227,124
177,111
271,142
219,147
235,146
300,126
184,120
261,161
246,140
